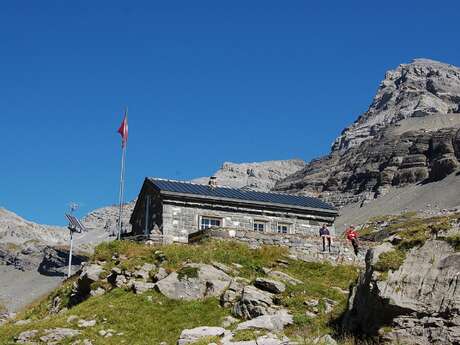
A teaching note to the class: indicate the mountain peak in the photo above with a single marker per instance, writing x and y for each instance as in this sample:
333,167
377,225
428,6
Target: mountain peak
421,88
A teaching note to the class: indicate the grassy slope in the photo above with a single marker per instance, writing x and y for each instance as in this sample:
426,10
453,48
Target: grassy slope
150,322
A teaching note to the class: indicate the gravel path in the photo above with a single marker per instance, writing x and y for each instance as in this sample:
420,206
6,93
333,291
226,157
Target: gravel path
18,289
430,197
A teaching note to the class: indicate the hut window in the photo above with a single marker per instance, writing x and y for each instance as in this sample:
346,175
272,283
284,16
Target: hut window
210,222
259,226
283,228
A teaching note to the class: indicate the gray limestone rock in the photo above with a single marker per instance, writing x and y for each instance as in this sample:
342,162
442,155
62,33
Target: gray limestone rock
140,287
189,336
420,301
161,274
86,323
144,271
26,337
269,285
82,287
253,302
206,281
56,335
274,322
232,293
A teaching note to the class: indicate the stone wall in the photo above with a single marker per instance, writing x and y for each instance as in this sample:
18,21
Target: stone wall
183,218
305,247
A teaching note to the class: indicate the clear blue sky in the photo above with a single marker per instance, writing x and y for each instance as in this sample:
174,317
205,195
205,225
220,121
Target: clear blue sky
205,82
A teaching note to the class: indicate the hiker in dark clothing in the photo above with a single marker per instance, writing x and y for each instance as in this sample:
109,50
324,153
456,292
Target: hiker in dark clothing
325,235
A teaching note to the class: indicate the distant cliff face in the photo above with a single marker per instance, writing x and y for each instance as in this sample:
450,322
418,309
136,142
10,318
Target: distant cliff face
258,176
409,134
18,231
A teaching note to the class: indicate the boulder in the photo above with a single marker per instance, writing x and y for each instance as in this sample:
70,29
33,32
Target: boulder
253,302
144,271
82,288
86,323
189,336
232,294
161,274
140,286
56,335
26,336
275,322
194,281
269,285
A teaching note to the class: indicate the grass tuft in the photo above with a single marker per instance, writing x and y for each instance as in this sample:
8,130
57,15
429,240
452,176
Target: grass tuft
187,272
391,260
454,241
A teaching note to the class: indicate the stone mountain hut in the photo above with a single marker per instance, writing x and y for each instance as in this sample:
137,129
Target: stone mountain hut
177,209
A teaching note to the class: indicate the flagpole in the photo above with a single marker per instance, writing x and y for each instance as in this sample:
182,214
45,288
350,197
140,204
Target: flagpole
122,183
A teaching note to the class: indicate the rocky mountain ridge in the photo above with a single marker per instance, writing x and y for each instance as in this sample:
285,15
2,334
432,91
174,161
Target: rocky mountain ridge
410,134
419,89
28,246
257,176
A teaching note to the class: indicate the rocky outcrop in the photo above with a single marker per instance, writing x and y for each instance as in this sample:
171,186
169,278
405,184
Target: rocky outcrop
410,134
418,303
258,176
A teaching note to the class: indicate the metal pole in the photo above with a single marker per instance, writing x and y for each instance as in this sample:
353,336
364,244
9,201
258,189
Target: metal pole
70,254
123,190
122,183
120,195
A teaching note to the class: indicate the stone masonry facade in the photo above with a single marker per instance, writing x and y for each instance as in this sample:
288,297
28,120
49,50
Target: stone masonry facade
183,218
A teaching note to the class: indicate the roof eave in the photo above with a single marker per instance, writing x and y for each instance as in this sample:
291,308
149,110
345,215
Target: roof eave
249,202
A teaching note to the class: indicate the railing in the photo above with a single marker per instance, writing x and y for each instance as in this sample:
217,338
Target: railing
155,238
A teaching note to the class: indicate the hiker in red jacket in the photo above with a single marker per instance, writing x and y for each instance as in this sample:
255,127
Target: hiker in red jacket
352,236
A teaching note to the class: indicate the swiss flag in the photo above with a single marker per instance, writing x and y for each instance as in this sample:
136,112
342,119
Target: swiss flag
123,130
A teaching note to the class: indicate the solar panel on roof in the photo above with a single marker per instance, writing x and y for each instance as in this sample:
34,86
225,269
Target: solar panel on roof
240,194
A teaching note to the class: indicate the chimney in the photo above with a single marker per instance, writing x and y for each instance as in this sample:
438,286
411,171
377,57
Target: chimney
212,181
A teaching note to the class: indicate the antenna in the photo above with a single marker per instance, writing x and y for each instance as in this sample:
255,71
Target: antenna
73,206
74,226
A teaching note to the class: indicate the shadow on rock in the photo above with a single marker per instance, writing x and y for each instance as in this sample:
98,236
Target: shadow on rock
56,260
